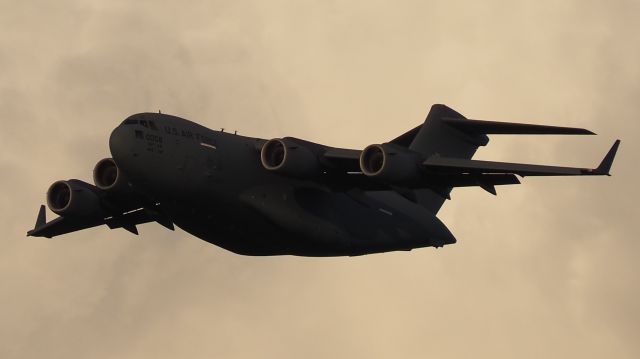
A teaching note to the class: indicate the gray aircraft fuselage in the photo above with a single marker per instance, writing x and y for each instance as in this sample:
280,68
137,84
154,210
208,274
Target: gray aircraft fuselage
213,185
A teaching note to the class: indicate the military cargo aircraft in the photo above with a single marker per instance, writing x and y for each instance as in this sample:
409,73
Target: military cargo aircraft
286,195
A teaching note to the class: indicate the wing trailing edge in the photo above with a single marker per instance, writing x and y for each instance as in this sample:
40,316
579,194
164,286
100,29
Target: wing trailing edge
448,165
128,221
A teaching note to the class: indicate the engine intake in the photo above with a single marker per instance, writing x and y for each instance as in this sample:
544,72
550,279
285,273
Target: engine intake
283,155
72,198
107,176
389,163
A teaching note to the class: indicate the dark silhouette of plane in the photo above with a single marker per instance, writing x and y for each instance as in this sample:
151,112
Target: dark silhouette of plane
290,196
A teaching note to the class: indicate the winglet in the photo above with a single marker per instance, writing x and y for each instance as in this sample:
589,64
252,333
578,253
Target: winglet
42,217
607,161
40,221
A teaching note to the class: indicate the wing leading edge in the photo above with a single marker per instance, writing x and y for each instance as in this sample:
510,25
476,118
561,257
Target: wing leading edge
449,165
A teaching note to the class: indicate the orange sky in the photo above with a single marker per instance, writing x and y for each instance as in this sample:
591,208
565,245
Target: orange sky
548,269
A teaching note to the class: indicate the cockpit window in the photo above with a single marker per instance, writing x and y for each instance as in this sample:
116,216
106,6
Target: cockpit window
144,123
152,125
130,122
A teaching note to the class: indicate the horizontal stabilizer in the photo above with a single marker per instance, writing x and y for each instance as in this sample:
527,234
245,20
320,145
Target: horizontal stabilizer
510,128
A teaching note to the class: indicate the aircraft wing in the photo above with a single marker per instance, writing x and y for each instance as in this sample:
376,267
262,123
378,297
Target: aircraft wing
60,225
68,224
342,158
347,161
447,165
446,172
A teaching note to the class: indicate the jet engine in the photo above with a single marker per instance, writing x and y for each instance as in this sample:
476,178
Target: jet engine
289,157
72,198
107,176
388,163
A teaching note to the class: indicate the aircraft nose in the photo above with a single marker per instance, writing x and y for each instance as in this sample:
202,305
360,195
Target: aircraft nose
120,143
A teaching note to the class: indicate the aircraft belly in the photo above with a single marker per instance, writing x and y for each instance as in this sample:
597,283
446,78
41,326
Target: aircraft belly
232,232
307,234
323,223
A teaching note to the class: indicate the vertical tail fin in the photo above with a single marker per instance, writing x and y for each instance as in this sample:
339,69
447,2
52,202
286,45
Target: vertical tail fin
435,136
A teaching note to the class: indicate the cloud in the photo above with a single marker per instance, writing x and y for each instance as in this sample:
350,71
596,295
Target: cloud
545,269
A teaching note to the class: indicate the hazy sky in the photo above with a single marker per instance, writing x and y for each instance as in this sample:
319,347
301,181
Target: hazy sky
548,269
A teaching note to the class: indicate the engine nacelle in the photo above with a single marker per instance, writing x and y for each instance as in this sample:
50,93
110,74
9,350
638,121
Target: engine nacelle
288,157
72,198
108,177
388,163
